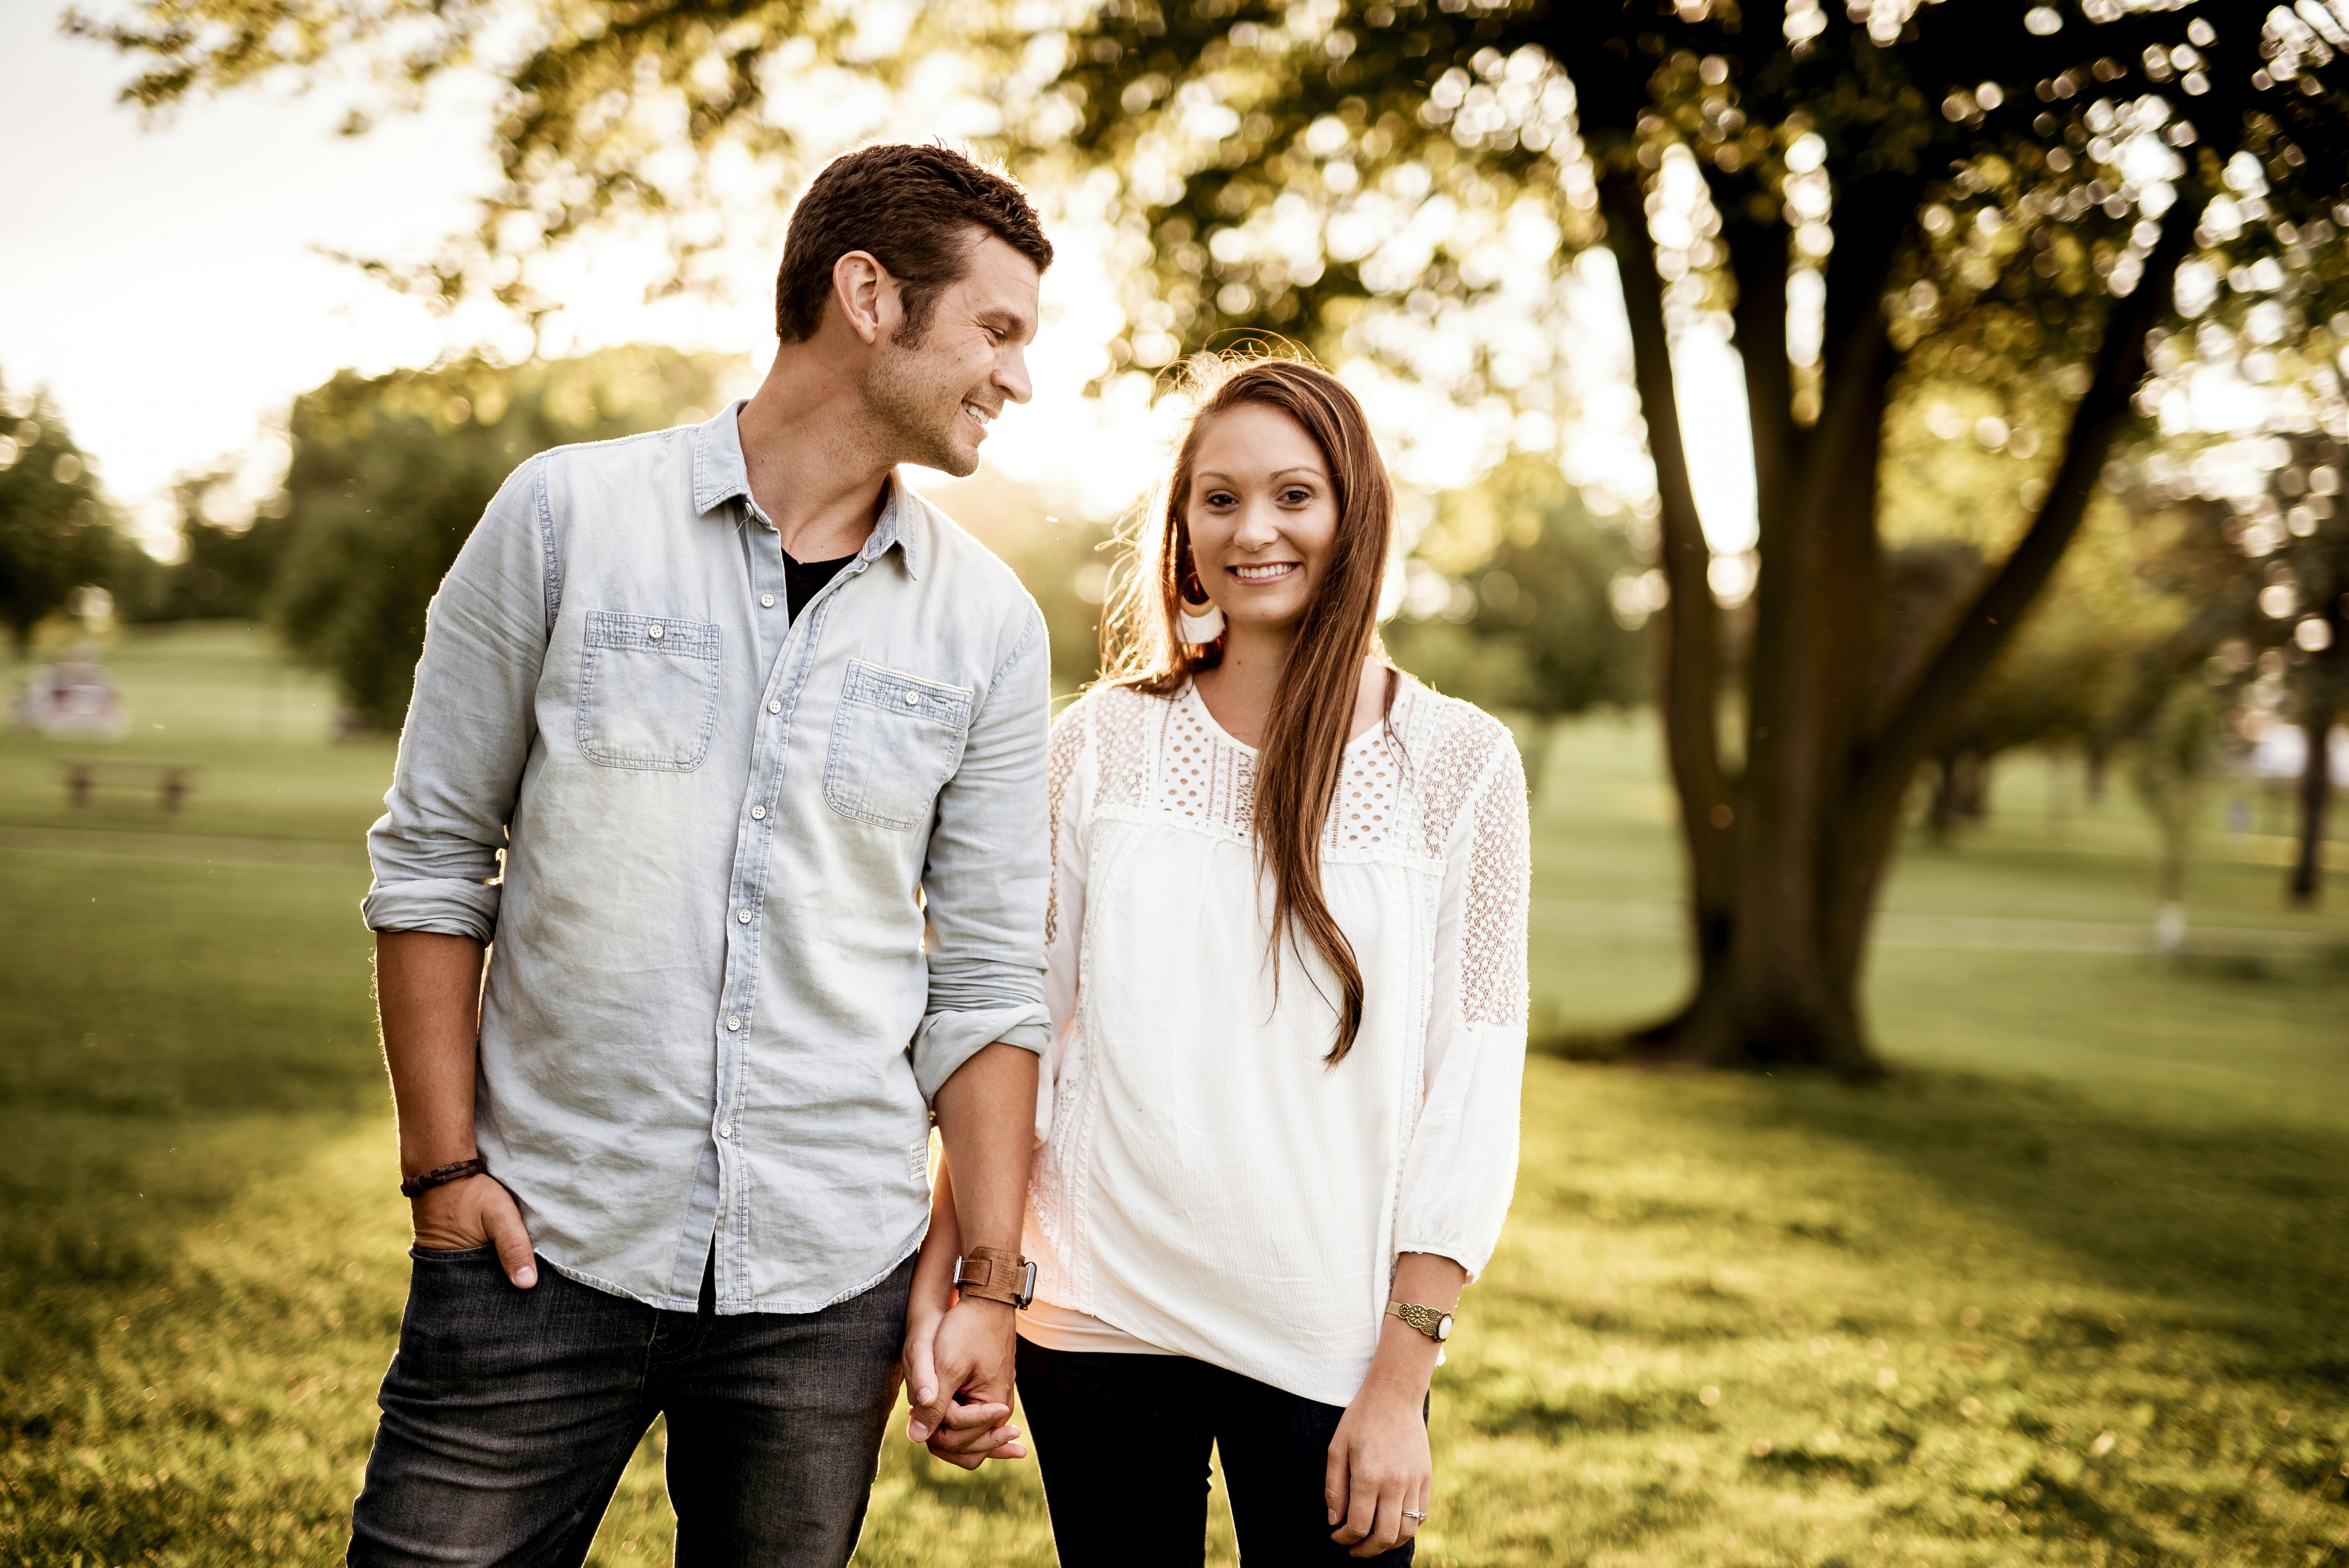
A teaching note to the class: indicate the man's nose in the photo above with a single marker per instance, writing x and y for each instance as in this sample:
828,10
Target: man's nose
1011,374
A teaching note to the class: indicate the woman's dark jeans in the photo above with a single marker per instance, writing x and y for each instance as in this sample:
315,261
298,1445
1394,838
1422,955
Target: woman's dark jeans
1122,1442
508,1416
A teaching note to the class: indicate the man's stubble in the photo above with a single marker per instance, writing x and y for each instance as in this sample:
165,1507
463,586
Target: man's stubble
916,414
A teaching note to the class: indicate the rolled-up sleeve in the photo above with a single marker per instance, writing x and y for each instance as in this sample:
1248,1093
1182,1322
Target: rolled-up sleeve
469,726
987,876
1461,1167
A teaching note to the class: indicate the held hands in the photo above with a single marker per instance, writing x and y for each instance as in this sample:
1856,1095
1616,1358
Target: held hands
476,1211
958,1372
1379,1467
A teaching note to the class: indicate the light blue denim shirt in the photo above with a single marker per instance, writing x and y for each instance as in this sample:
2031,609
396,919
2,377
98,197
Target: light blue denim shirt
755,907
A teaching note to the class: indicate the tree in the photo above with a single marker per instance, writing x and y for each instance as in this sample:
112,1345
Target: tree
232,545
1865,190
2251,533
2171,772
599,99
55,532
390,474
2069,671
1516,615
2015,184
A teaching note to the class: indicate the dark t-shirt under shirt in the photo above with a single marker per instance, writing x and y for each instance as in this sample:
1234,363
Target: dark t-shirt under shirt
803,579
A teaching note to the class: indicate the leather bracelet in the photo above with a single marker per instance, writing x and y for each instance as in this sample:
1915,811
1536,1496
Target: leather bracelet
1008,1277
412,1186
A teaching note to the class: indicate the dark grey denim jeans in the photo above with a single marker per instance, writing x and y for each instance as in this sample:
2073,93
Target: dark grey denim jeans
508,1416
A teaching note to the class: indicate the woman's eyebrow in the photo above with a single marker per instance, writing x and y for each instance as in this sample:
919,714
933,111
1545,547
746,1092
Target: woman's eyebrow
1306,470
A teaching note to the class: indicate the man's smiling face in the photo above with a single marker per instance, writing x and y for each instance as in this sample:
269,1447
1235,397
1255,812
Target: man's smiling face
937,393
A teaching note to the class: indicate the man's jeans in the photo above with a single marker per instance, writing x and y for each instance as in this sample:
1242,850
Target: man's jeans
508,1416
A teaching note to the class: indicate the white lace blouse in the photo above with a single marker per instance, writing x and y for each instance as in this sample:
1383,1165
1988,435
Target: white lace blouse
1205,1183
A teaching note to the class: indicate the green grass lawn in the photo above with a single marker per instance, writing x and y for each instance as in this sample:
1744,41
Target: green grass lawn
2074,1288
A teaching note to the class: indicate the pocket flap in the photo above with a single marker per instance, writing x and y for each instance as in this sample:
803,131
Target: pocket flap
652,634
910,696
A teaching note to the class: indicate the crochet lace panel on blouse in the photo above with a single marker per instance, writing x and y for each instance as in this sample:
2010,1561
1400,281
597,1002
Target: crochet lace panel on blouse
1067,743
1404,789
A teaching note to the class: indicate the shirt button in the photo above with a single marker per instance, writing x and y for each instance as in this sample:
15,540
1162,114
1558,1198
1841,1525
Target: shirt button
742,915
733,1022
774,708
913,699
654,633
758,813
726,1129
766,600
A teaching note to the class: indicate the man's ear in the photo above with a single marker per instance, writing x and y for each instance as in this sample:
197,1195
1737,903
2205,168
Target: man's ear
866,293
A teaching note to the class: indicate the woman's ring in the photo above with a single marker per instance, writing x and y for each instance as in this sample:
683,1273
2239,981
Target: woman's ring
1409,1513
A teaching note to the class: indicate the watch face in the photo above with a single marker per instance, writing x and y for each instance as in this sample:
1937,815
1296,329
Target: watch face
1443,1327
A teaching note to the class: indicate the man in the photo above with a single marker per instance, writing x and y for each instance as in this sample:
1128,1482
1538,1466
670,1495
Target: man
761,736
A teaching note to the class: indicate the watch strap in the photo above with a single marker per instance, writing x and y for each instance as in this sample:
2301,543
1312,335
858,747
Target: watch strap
993,1274
1426,1319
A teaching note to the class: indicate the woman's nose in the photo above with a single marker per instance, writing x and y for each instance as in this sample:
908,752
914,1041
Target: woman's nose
1257,528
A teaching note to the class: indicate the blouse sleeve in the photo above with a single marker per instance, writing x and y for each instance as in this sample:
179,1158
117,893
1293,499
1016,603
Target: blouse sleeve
1462,1166
1068,781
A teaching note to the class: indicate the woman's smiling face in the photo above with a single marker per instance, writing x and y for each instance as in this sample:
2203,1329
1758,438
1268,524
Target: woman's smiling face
1262,515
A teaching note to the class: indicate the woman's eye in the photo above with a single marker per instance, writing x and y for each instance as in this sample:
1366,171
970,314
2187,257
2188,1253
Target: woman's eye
1297,496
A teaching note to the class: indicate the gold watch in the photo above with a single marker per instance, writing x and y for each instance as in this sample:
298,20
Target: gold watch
1436,1326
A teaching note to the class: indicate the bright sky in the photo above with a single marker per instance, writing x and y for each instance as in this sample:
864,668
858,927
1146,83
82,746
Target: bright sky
167,286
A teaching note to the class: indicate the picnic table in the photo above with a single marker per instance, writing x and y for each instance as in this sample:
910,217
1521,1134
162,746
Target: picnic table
170,780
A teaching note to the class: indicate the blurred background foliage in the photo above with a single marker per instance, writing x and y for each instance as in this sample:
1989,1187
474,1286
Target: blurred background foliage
389,477
385,478
56,532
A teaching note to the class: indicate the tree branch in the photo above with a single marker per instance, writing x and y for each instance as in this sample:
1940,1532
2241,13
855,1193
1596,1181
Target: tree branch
1691,655
2102,413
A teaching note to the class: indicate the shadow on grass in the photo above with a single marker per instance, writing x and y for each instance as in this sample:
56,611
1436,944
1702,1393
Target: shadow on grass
2236,1228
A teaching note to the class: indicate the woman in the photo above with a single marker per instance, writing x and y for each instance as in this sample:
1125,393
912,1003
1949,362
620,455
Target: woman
1285,950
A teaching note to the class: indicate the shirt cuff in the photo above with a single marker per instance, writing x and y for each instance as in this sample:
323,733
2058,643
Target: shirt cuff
1471,1258
947,1040
449,906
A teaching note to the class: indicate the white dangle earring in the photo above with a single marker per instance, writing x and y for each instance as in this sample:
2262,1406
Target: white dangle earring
1199,628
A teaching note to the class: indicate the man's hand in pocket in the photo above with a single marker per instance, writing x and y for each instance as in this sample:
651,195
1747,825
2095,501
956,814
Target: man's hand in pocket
459,1216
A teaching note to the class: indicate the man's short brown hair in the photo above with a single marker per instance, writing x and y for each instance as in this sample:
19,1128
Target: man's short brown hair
913,209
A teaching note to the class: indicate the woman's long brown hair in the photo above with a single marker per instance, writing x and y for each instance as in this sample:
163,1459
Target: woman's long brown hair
1305,734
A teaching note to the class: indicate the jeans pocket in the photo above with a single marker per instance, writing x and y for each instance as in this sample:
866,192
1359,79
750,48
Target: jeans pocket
894,745
423,1253
647,691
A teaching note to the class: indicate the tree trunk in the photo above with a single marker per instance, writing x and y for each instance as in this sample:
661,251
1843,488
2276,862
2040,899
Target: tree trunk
2316,802
2321,700
1786,859
1941,817
1687,634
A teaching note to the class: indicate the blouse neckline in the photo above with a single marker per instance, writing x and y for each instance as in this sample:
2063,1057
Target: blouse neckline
1404,685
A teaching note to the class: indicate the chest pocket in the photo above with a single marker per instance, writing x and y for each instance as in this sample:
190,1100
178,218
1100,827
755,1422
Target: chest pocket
894,745
647,691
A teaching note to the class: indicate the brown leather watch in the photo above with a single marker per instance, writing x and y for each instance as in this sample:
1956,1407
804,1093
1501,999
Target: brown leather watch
991,1274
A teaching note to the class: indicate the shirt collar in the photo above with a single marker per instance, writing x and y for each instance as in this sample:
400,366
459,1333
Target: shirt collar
721,475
